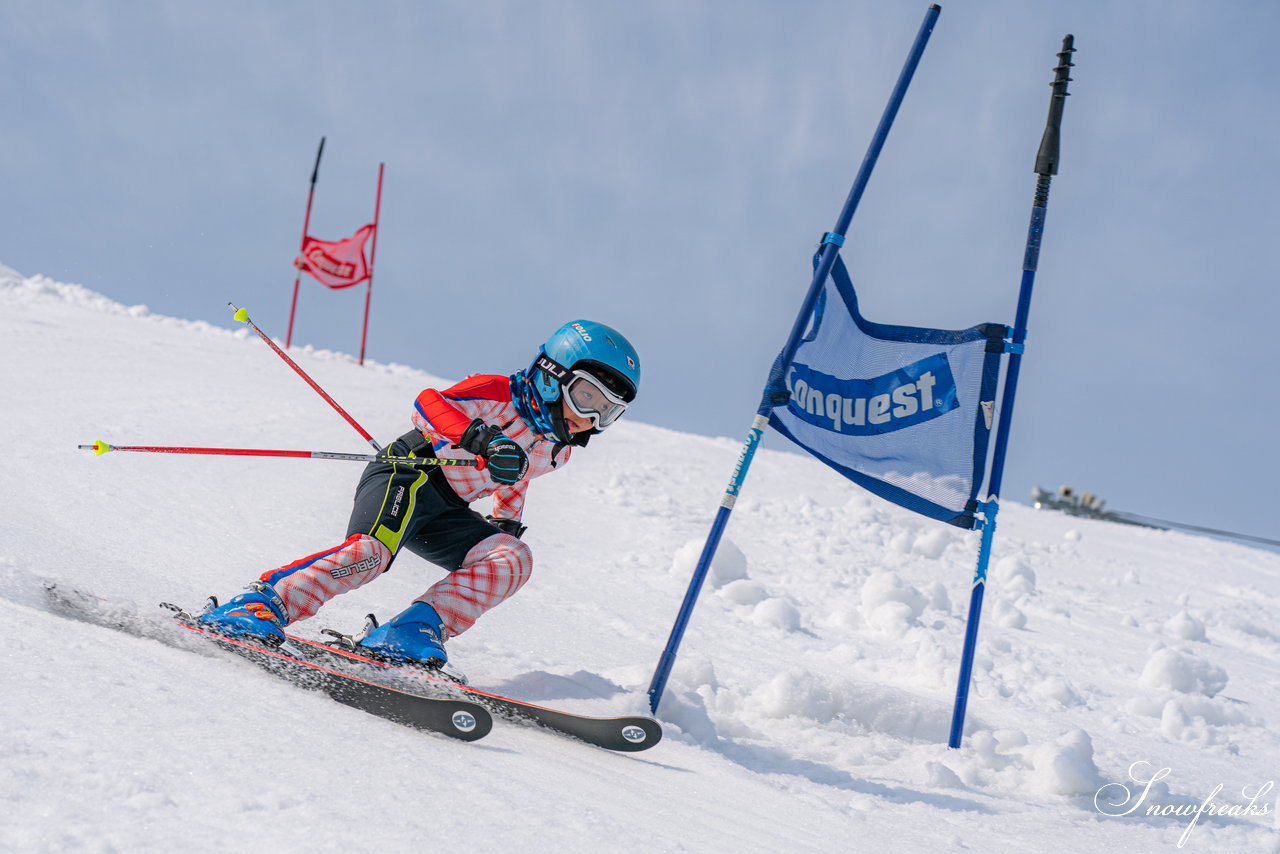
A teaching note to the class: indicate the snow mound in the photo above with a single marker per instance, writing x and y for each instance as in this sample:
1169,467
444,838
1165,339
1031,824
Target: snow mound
1184,672
729,563
1066,766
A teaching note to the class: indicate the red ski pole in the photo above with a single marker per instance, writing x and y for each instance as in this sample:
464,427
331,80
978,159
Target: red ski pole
243,316
100,447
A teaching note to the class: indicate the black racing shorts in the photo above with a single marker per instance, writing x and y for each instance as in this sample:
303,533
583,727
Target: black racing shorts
414,507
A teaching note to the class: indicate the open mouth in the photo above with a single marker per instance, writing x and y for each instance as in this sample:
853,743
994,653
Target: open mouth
575,425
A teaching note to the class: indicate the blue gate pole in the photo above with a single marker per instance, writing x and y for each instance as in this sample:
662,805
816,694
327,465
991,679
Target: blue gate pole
1046,168
830,249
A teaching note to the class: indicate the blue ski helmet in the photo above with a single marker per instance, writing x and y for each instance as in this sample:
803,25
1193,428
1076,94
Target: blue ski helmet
586,345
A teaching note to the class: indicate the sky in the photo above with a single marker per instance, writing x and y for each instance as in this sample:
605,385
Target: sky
667,168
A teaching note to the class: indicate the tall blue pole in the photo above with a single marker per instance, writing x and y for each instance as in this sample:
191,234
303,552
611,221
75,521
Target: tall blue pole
830,248
1046,167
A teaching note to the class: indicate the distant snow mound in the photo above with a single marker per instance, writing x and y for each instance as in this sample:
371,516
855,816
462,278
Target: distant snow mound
36,287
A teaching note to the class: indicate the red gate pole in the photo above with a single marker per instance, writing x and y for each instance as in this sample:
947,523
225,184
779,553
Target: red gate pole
306,226
373,253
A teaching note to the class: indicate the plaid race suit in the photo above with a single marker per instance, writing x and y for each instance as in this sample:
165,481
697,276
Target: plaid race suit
425,510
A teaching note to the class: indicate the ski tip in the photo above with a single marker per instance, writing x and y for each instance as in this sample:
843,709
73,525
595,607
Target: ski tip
241,315
100,447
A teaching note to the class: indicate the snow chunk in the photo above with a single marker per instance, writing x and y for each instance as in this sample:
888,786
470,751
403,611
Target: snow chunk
729,563
942,777
1059,690
1184,626
1183,672
938,598
885,588
778,613
1010,739
893,618
1015,576
1066,767
1195,719
1009,615
932,543
688,712
744,592
795,693
684,703
695,672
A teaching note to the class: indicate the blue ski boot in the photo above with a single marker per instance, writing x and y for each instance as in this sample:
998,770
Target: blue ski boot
258,613
415,634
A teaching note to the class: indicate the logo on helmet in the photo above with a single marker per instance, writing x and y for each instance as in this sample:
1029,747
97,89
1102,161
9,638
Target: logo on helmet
552,368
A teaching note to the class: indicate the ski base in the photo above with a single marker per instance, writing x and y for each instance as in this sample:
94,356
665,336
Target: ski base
627,733
460,719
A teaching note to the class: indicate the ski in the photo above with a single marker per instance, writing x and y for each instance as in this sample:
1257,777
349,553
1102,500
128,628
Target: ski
361,681
454,717
628,733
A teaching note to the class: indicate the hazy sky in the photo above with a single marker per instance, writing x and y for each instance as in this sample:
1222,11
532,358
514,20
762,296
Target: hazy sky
667,167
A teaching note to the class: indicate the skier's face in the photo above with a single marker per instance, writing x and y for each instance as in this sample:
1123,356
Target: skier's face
590,402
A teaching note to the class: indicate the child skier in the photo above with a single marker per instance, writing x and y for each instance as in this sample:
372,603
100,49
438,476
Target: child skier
520,427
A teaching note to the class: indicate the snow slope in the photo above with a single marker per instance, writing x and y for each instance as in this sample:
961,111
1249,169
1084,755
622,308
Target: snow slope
808,710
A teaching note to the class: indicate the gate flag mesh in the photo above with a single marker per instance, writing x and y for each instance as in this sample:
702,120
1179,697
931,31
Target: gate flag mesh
903,411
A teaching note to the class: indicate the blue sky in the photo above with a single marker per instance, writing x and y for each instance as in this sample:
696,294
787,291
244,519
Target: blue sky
667,167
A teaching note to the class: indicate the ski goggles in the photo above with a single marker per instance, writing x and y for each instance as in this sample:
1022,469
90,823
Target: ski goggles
588,398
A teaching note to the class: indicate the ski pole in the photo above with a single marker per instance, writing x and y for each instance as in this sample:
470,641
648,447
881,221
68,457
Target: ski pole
243,316
100,447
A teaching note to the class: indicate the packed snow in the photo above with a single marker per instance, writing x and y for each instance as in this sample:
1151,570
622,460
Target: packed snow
1124,698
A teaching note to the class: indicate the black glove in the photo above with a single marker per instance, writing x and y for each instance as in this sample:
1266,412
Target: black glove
508,463
508,526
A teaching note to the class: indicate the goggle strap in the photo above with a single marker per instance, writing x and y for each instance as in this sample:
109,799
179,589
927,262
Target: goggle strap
551,367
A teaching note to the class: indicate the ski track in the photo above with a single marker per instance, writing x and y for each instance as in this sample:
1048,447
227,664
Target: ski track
808,710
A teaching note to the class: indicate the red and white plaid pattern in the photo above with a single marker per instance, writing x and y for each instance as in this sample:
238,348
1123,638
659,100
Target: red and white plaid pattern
472,483
494,569
306,584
